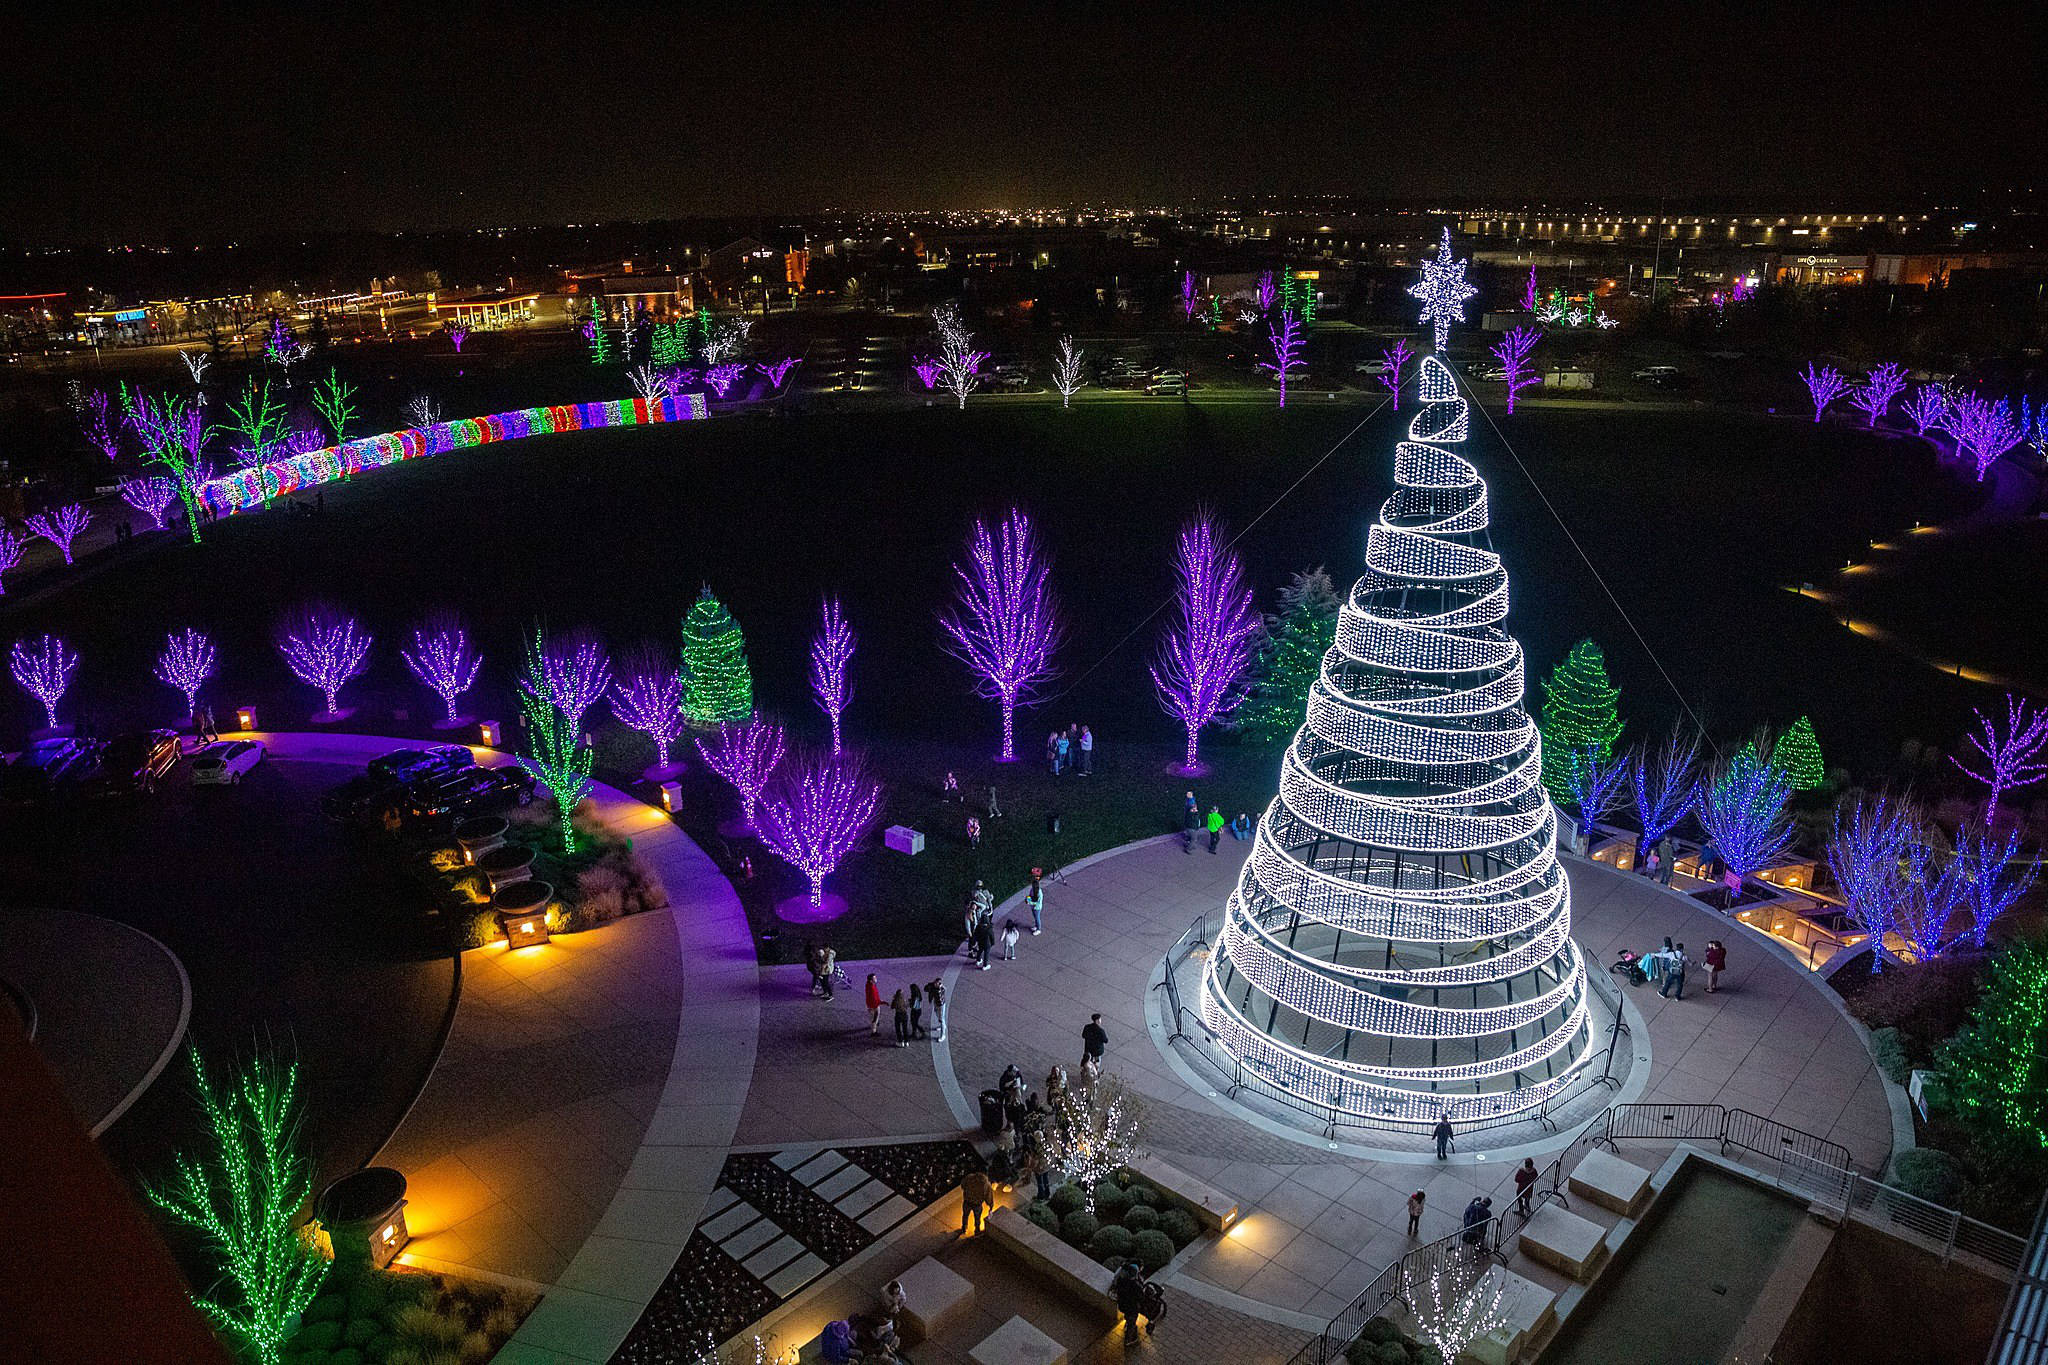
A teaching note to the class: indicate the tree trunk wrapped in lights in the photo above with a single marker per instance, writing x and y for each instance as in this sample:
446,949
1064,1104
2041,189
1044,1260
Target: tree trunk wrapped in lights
1399,946
1005,623
556,755
43,669
817,812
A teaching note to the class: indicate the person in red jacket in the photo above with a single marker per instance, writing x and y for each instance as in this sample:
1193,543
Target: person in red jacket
874,1006
1716,958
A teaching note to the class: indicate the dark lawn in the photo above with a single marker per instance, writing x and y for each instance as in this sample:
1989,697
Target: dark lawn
1695,519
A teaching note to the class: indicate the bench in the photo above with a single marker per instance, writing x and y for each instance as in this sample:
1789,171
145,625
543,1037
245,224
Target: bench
1211,1207
1017,1342
937,1295
1039,1250
1605,1179
1563,1241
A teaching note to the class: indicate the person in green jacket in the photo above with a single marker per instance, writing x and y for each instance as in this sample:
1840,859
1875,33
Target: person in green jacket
1214,824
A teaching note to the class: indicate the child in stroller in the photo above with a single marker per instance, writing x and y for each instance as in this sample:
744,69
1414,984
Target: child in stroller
1629,967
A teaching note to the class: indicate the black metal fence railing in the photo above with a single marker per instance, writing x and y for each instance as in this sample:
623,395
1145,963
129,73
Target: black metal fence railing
1805,1160
1471,1249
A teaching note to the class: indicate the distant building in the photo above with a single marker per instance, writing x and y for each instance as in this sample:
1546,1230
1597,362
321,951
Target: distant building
749,271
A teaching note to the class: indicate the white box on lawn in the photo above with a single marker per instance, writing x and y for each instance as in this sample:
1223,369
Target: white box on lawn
903,839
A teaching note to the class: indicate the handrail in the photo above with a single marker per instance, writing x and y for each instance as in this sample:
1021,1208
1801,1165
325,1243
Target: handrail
1328,1347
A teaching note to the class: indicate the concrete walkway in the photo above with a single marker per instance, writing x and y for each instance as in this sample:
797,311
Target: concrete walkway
587,1094
1322,1224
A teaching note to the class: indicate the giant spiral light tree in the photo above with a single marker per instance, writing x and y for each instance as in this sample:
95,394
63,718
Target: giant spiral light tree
1399,945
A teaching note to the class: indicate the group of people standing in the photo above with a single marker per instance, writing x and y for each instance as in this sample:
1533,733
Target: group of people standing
1194,824
1071,750
909,1008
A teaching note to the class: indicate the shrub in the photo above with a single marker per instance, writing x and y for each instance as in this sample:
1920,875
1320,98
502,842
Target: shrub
317,1336
347,1355
360,1331
1110,1201
475,1349
1142,1193
600,896
1153,1249
1041,1213
478,929
1393,1353
1926,1002
1180,1226
381,1346
1379,1330
1067,1199
1110,1244
1889,1048
422,1327
1078,1228
328,1306
1932,1175
1141,1218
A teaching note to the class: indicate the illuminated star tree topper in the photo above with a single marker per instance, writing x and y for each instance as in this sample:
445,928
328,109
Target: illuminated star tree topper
1443,290
186,663
441,658
1005,623
43,668
816,812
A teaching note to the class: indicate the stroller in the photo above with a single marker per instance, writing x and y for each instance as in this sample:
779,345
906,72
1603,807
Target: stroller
1629,967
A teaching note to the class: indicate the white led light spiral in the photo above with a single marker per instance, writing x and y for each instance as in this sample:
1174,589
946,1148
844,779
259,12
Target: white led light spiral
1399,944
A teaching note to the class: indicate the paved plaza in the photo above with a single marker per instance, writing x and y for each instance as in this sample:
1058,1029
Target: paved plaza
591,1091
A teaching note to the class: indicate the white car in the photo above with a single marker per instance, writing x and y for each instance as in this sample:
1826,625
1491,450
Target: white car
223,763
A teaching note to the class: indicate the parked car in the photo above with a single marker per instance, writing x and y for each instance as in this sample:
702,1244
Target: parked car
472,791
410,765
226,762
134,763
1171,383
44,767
1373,367
1493,374
1651,374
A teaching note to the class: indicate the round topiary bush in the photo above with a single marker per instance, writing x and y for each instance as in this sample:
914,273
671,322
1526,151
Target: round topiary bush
1110,1201
1930,1173
1153,1249
317,1336
1110,1245
1067,1199
1141,1193
1040,1212
360,1331
1141,1218
1079,1228
1180,1225
327,1307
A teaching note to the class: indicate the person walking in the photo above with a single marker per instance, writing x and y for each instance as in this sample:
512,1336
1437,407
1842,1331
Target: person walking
1190,821
1526,1176
995,811
1443,1134
1087,751
1415,1202
1667,852
1214,824
975,1198
949,790
828,968
1035,898
1052,751
1674,975
1716,960
917,1028
212,725
973,832
900,1003
874,994
814,963
936,993
1009,940
1477,1214
1094,1038
1129,1287
984,940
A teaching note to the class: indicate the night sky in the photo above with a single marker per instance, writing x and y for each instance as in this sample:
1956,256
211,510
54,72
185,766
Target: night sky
185,120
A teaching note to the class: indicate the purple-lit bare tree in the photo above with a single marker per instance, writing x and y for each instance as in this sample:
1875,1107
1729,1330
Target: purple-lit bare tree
2010,757
101,427
151,495
778,370
43,668
324,648
458,336
721,377
577,670
1209,645
61,525
185,663
1266,292
1004,624
816,812
12,545
831,652
1066,371
173,435
1926,408
1513,354
442,659
1190,297
744,753
648,696
1826,384
1530,296
927,371
1395,358
1873,398
959,363
1983,428
1286,342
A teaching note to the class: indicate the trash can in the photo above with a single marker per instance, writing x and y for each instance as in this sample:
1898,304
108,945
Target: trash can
991,1112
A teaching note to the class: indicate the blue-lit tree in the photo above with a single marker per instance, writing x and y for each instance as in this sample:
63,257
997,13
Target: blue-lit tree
1666,783
1743,808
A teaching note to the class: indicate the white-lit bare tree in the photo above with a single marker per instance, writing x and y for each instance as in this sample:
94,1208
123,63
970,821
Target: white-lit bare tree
1066,371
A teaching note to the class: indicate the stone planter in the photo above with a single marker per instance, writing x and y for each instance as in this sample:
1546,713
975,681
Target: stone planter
480,834
506,865
364,1214
522,910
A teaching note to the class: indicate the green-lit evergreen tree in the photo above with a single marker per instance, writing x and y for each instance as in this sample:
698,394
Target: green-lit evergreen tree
1298,296
602,350
1997,1063
698,331
1579,713
1797,754
1298,634
717,685
670,347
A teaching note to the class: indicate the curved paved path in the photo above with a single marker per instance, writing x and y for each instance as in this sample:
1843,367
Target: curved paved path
1322,1224
587,1093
